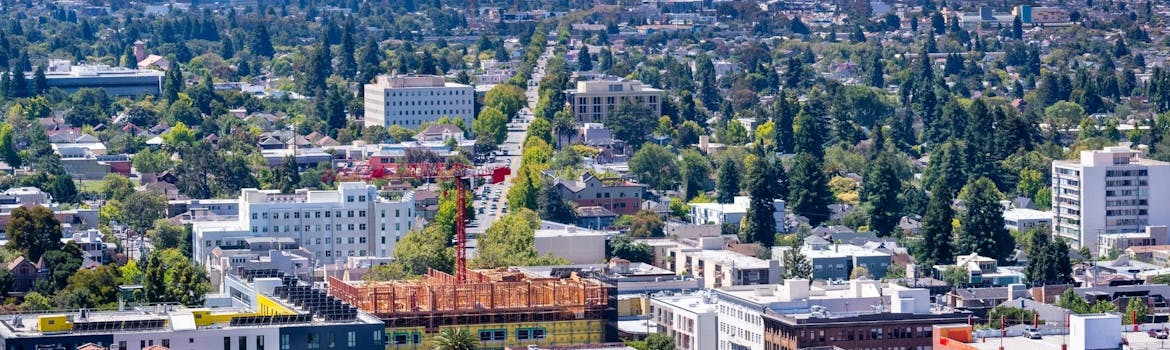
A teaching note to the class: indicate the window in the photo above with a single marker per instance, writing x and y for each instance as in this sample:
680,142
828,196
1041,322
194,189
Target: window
313,343
349,214
243,342
361,198
259,341
351,336
361,213
349,199
493,335
227,343
362,240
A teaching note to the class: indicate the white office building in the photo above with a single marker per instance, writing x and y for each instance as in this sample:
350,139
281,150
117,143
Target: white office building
408,101
352,220
1114,190
691,319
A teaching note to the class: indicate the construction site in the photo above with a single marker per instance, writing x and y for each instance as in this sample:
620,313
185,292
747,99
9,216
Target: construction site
501,307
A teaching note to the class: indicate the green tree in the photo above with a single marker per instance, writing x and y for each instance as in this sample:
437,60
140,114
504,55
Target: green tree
6,281
455,339
947,167
34,301
510,242
130,273
655,166
33,231
1136,311
881,189
584,59
982,230
424,249
7,149
553,207
728,182
956,276
167,235
179,137
140,209
116,186
759,222
261,43
172,82
172,277
622,247
96,288
809,194
1048,261
287,177
491,124
643,224
632,122
810,135
1073,302
150,161
936,229
796,264
62,264
696,171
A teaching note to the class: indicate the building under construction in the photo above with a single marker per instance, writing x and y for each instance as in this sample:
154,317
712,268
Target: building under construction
501,308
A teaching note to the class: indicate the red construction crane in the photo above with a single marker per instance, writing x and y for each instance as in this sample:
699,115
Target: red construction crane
445,172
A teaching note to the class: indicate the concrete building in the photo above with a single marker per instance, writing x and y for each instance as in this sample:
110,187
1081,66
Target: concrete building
354,220
409,101
720,268
720,213
593,100
1118,242
617,195
577,244
270,319
795,315
982,270
1114,190
837,261
691,319
1023,219
118,81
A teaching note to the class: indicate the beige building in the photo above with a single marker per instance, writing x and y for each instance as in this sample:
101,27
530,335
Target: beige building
408,101
592,100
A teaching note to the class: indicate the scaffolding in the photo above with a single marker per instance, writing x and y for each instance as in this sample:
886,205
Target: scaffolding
488,296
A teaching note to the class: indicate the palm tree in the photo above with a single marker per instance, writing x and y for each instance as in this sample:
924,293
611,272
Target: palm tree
564,125
451,339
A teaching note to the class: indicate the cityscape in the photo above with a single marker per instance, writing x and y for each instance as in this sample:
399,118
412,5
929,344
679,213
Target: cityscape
584,175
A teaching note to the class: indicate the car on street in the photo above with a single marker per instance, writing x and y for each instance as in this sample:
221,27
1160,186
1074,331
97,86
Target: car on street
1158,333
1032,333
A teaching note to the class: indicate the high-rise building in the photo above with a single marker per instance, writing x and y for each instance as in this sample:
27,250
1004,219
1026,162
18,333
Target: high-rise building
1108,191
593,100
353,220
409,100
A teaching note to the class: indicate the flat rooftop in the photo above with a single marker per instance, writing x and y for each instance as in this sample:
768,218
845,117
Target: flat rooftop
694,302
729,257
841,250
1026,214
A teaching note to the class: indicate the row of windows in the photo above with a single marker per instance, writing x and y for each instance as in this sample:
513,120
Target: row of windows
1126,202
499,335
1138,172
460,92
315,341
309,228
437,112
317,214
1120,212
426,103
611,100
332,253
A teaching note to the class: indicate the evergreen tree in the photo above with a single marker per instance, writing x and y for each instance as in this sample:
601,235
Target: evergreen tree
881,189
810,135
981,224
19,83
728,181
809,193
371,61
553,207
7,148
877,72
784,114
1017,28
172,82
795,264
696,171
1048,261
261,44
349,65
584,60
228,48
946,167
936,227
759,224
40,83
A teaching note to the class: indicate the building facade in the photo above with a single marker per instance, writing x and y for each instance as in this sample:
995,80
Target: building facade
593,100
720,213
409,101
616,195
721,268
692,320
118,81
353,220
1114,190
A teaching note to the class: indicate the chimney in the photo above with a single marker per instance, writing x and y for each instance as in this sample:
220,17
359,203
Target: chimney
139,50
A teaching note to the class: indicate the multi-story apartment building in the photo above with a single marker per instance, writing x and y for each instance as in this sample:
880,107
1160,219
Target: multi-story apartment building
691,319
617,195
864,314
593,100
1109,191
409,101
353,220
720,213
264,315
721,268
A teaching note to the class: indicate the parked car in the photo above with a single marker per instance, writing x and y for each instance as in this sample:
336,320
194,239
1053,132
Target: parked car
1032,333
1158,333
